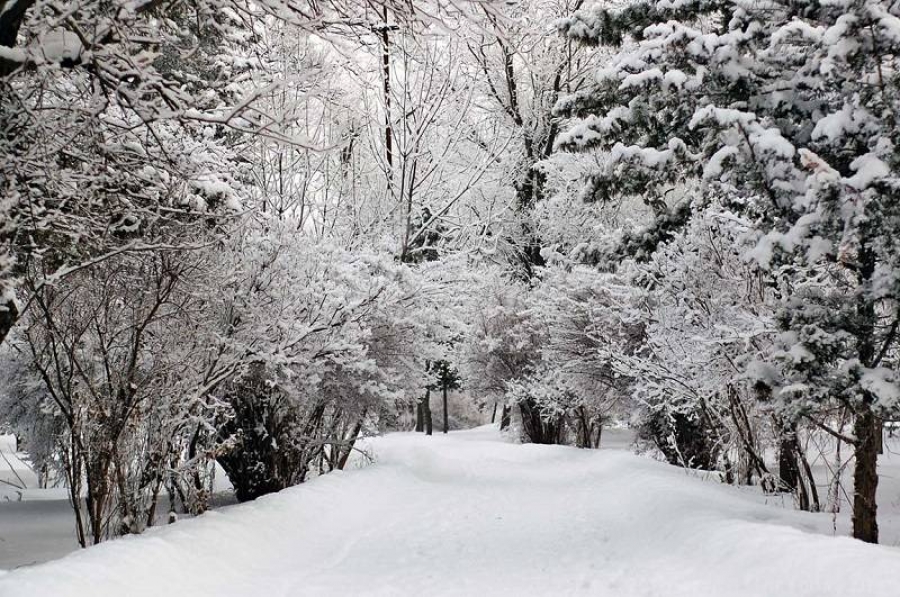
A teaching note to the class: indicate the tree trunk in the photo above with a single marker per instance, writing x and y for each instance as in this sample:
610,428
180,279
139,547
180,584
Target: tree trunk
538,430
429,425
386,74
814,505
351,441
585,430
420,416
866,427
865,478
790,459
494,414
504,418
531,423
788,472
446,422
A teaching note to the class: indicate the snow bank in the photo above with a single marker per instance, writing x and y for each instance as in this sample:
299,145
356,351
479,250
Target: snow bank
469,515
16,476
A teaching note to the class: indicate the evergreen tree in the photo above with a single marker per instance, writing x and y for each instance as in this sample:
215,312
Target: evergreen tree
446,377
785,112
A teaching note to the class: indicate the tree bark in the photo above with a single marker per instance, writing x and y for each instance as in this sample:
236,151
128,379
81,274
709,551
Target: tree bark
585,430
866,427
536,428
386,74
446,421
865,478
429,425
788,471
420,416
789,463
351,441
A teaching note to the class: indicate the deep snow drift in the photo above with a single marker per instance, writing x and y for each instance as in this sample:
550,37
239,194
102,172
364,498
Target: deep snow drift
468,514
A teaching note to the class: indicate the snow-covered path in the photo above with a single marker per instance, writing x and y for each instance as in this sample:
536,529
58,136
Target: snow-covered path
470,515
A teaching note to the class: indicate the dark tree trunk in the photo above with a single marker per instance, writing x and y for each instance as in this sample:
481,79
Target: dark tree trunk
420,415
531,423
865,478
866,428
446,422
538,430
814,505
351,441
200,504
429,424
585,430
789,469
386,74
494,414
504,418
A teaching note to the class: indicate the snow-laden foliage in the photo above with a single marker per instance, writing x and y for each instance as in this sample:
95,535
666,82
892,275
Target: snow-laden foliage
320,340
116,124
785,113
105,373
541,350
252,233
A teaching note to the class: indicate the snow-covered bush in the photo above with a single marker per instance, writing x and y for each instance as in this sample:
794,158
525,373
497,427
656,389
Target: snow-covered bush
503,344
104,372
321,340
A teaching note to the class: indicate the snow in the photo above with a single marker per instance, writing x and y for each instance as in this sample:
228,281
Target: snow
799,29
12,54
16,475
595,128
470,514
849,120
882,383
868,168
645,156
642,78
713,168
888,24
769,140
37,524
59,44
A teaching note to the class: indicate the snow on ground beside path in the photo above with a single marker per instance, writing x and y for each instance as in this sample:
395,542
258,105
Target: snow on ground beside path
469,515
37,524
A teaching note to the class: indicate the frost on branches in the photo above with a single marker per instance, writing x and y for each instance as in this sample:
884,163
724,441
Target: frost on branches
197,263
786,111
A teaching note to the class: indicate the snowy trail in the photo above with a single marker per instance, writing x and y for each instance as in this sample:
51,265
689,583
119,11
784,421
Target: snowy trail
470,515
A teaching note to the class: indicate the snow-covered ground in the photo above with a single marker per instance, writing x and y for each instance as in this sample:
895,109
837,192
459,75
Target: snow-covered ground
468,514
37,524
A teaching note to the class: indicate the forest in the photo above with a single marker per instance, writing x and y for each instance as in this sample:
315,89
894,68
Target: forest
250,235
